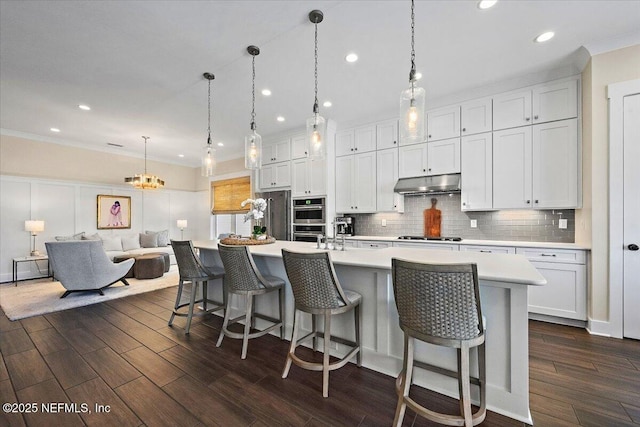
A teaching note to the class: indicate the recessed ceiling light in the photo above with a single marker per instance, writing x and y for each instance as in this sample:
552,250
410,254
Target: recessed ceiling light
544,37
54,130
327,104
352,57
181,155
418,76
84,107
220,144
280,119
266,92
486,4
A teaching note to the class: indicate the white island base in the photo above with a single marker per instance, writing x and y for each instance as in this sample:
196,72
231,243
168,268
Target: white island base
503,294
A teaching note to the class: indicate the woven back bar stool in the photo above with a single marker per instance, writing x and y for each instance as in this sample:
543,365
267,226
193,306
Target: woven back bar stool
243,278
440,304
191,270
317,291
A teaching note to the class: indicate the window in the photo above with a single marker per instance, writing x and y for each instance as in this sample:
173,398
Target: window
226,195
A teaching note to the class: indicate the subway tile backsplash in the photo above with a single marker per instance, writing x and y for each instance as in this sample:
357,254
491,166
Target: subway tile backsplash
520,225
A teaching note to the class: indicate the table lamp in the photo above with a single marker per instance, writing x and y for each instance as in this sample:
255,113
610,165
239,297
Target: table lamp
34,226
182,224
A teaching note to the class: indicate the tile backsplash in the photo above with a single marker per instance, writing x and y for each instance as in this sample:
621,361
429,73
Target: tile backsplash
521,225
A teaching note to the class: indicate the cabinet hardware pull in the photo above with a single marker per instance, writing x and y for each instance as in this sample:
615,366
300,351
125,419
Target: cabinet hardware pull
464,129
429,136
352,149
528,201
423,170
356,149
464,204
633,247
395,142
528,118
536,201
429,169
488,252
535,117
552,255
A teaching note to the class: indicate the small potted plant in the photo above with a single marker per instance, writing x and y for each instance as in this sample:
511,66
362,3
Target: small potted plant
256,213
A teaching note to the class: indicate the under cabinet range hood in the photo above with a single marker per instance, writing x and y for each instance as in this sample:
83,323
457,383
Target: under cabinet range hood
436,184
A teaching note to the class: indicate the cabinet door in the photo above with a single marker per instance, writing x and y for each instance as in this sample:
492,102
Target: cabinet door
488,249
443,123
364,182
344,142
443,157
298,147
387,134
317,177
564,295
374,244
344,177
512,168
555,101
477,172
365,139
282,173
512,109
555,164
412,160
268,153
387,175
476,116
282,152
267,177
299,185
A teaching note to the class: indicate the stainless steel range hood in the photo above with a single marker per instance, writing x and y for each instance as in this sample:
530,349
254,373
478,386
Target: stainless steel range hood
437,184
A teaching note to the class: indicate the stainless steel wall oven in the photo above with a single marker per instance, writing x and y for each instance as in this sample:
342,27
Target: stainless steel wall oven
309,219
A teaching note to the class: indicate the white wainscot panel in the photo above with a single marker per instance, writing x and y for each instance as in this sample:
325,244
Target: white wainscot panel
55,204
156,208
15,209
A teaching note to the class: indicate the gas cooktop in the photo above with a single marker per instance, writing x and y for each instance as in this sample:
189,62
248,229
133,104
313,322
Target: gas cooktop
448,239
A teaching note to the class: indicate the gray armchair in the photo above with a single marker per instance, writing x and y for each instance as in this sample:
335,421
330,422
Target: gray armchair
84,266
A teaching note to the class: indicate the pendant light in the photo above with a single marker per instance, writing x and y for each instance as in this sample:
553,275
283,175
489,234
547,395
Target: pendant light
316,125
145,181
208,160
253,141
412,100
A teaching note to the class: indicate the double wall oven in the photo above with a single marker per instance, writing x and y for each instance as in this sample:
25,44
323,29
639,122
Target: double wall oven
309,219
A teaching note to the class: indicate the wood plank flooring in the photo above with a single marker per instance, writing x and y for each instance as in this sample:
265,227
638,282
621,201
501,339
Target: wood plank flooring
122,353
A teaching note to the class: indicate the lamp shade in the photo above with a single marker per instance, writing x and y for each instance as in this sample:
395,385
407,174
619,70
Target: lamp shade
182,223
34,226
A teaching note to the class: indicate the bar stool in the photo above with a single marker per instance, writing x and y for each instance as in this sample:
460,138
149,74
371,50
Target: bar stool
243,278
440,304
317,291
191,270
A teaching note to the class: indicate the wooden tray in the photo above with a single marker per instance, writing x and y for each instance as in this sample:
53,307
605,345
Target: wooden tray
245,241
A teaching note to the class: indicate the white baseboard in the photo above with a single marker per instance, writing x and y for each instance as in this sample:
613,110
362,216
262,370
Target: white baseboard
599,327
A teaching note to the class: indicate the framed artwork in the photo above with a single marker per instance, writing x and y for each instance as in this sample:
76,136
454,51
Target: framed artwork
114,212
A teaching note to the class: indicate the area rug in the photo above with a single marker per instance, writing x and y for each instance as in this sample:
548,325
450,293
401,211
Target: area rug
40,297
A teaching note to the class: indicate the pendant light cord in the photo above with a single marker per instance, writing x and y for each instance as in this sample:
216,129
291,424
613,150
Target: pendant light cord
145,154
315,104
253,93
209,112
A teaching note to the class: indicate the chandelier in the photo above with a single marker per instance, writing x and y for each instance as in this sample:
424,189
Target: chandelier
145,181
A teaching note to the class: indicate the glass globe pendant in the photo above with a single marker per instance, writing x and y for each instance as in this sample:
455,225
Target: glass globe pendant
253,141
316,125
208,159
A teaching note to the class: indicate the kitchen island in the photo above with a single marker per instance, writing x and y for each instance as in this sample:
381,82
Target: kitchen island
503,293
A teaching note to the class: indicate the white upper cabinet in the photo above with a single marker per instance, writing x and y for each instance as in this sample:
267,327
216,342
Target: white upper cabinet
556,101
345,142
412,160
443,156
443,123
555,164
387,134
277,151
344,177
477,172
512,168
476,116
387,176
356,183
275,175
308,177
512,109
299,147
353,141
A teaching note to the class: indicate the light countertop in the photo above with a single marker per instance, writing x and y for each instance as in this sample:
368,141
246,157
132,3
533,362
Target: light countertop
511,243
496,267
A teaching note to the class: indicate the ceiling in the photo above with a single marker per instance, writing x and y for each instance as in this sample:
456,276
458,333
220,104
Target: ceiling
139,64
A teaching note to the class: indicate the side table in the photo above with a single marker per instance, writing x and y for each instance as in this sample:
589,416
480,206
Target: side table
33,259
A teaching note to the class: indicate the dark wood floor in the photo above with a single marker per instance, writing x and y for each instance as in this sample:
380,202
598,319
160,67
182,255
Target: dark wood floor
122,354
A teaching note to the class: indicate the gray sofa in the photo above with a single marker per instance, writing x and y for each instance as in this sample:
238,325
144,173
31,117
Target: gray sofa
83,265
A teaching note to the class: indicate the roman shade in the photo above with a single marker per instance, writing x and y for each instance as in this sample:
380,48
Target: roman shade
226,195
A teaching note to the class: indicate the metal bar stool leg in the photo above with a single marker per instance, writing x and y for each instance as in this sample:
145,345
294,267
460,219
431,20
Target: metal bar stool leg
192,302
314,329
283,326
405,380
178,298
247,325
357,314
325,359
294,340
205,285
225,322
465,385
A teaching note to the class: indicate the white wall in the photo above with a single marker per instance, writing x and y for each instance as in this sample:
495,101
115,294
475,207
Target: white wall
71,207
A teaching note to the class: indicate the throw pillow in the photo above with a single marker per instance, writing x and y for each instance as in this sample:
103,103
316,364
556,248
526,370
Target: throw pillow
95,236
77,236
149,240
163,237
112,243
130,242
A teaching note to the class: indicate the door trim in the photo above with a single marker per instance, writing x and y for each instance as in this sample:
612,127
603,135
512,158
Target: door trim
616,93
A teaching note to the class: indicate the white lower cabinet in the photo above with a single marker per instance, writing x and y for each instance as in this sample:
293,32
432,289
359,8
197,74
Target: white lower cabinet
488,249
565,294
309,178
356,183
373,244
432,246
